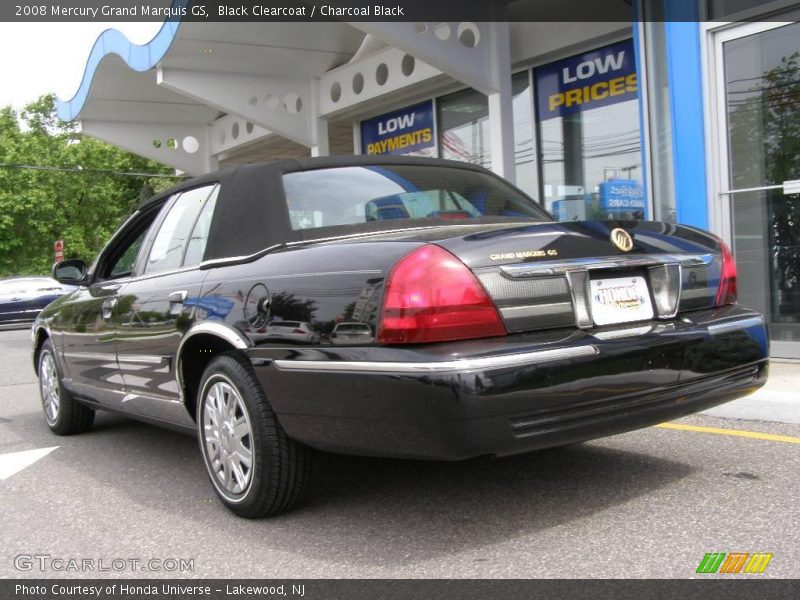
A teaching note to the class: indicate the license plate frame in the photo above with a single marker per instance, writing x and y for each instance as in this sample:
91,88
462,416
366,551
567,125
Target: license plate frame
620,299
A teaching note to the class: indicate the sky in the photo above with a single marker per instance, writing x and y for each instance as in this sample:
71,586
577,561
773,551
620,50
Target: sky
38,58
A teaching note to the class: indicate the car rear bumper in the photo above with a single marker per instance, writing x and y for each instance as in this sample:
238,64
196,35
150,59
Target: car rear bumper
509,395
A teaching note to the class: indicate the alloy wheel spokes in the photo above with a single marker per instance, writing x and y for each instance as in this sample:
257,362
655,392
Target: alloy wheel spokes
48,378
227,436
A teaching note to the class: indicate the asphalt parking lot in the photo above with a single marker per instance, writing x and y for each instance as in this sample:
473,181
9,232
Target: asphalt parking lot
650,503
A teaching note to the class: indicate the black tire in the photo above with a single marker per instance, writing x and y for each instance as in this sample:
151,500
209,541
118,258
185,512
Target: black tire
67,416
280,468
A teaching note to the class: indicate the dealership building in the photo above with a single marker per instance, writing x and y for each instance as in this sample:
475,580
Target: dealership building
694,122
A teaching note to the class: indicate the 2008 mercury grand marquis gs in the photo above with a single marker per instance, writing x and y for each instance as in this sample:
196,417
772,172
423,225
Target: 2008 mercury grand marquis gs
399,307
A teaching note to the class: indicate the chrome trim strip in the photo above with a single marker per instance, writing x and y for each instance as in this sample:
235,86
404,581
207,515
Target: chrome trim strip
144,359
537,310
220,330
604,262
39,325
322,273
92,355
580,292
449,366
721,328
146,276
616,334
221,262
227,333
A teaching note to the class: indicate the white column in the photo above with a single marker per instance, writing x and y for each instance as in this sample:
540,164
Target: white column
322,147
319,125
501,115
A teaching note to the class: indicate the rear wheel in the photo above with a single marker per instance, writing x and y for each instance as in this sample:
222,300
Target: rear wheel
63,414
256,470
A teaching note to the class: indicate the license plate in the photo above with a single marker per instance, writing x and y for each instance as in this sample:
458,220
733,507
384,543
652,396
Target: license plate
620,300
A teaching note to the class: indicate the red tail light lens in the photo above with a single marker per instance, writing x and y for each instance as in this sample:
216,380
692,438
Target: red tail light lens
431,296
726,293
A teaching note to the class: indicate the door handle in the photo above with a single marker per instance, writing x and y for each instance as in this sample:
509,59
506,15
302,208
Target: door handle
108,307
176,300
178,297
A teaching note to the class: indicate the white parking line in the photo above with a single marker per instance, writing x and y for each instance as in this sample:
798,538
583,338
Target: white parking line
14,462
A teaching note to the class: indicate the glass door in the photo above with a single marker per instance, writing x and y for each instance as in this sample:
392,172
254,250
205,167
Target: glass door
759,85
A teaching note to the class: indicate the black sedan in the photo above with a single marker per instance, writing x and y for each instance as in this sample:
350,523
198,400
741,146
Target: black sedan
486,328
23,298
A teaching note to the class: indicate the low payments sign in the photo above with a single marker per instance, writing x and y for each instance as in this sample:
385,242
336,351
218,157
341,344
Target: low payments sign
399,132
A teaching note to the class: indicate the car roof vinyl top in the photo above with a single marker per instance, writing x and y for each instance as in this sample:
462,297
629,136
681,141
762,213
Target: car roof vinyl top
308,164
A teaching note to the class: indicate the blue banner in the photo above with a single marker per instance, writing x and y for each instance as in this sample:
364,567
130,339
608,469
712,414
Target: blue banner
598,78
399,132
621,195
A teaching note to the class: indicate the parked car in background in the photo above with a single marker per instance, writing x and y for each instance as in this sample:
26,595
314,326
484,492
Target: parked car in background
23,298
493,329
290,331
351,333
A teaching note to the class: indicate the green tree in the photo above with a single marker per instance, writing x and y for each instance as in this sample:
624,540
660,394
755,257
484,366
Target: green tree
38,207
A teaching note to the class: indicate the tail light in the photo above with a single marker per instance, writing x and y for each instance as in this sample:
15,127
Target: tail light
431,296
726,293
298,331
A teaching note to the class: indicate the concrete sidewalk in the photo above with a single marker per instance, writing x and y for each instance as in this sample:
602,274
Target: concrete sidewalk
778,401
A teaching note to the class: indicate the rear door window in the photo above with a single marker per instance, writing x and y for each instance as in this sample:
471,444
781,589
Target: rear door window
172,241
199,237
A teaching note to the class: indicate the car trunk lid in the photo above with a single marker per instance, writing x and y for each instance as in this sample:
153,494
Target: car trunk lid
591,273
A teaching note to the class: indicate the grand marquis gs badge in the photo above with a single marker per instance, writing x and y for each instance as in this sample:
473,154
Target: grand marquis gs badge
622,239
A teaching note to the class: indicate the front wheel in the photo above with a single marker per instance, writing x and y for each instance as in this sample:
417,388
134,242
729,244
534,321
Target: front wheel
63,414
256,470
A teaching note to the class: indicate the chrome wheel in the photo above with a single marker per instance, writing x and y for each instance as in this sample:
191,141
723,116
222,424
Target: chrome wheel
227,437
48,382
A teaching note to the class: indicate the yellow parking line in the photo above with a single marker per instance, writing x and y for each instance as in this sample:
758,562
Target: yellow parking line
756,435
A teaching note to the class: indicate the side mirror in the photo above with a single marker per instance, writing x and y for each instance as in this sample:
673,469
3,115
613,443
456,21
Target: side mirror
70,272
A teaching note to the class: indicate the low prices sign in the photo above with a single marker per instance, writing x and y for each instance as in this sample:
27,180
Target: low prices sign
399,132
58,247
599,78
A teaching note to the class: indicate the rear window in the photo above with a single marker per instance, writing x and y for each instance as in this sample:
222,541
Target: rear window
365,194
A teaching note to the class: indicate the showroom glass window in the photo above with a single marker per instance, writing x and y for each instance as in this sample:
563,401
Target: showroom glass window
524,155
464,127
587,110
